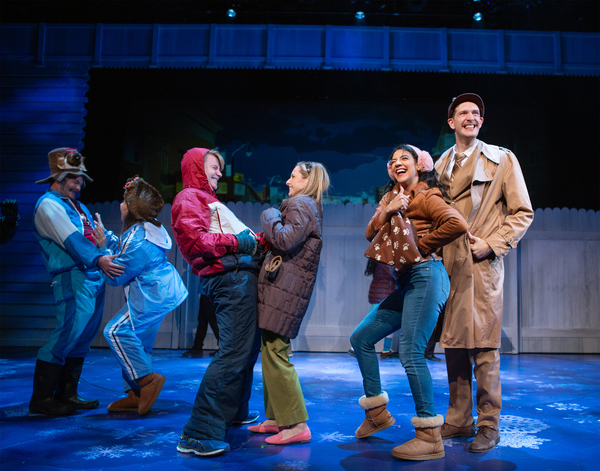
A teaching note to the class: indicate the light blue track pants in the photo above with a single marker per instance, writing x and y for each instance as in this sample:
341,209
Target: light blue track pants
79,297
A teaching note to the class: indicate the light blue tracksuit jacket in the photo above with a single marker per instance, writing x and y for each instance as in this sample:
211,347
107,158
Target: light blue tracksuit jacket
78,288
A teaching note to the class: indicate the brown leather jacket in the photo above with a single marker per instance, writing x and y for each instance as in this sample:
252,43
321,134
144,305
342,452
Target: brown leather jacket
436,222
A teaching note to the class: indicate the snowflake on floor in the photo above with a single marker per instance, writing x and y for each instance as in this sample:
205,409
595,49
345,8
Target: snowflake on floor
562,406
510,424
96,452
450,442
515,432
584,419
117,451
118,434
292,465
156,437
145,453
511,397
96,426
519,432
521,440
334,437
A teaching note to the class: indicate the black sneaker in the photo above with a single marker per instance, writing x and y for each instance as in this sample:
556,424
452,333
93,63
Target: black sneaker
389,354
252,416
193,353
201,447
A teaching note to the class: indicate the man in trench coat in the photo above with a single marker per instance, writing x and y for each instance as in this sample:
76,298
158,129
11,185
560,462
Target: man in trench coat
485,184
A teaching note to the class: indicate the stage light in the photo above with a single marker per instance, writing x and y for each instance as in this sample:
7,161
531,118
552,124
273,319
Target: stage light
231,13
478,16
360,15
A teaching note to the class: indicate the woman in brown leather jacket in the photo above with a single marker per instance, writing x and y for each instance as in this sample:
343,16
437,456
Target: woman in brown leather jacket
421,291
285,285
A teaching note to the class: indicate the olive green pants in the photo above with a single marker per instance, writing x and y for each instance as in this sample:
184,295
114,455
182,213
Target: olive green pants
282,392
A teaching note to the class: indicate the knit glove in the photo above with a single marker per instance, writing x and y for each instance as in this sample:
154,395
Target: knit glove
246,242
263,244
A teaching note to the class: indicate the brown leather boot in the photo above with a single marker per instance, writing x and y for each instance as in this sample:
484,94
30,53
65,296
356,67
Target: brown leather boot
450,431
486,439
150,386
129,403
377,416
427,444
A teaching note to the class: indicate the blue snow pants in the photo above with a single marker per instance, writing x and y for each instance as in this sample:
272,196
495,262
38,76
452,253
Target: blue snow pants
225,389
79,297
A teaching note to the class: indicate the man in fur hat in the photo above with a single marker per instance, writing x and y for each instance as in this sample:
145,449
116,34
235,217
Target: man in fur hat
64,228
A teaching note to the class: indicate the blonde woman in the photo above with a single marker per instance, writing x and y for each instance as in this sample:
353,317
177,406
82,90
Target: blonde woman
285,285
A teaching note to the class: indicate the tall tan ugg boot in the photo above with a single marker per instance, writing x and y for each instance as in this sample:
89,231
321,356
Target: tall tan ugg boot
377,416
427,444
150,387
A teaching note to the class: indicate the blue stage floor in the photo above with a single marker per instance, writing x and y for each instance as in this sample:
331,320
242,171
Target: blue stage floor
550,420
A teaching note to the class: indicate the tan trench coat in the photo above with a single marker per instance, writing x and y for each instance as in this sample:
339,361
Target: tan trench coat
499,211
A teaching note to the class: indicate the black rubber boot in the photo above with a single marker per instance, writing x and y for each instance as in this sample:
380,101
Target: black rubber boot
43,400
66,389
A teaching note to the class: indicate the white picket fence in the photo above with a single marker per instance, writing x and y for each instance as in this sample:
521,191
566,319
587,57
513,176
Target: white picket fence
551,286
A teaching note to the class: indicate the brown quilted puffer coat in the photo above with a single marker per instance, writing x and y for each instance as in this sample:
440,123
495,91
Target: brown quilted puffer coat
295,232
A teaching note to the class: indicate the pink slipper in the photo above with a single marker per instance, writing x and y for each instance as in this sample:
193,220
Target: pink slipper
260,428
302,437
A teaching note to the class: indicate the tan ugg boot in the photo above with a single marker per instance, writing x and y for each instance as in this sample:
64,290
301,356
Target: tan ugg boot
131,402
427,444
150,387
377,416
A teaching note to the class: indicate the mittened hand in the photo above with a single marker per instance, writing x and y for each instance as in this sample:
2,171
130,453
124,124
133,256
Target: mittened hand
271,213
263,244
247,243
10,209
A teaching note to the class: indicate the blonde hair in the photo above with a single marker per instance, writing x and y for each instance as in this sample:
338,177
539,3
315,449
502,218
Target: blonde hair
318,180
219,157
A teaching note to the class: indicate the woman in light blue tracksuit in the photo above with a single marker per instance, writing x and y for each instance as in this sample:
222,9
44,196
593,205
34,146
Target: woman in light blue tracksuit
152,288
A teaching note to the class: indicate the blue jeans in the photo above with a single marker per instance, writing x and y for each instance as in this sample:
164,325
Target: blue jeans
420,295
225,389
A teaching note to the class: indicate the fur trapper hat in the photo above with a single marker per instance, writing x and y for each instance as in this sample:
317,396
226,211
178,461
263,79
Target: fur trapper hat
144,202
65,161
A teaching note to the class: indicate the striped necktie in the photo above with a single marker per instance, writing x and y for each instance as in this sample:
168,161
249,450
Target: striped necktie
458,161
